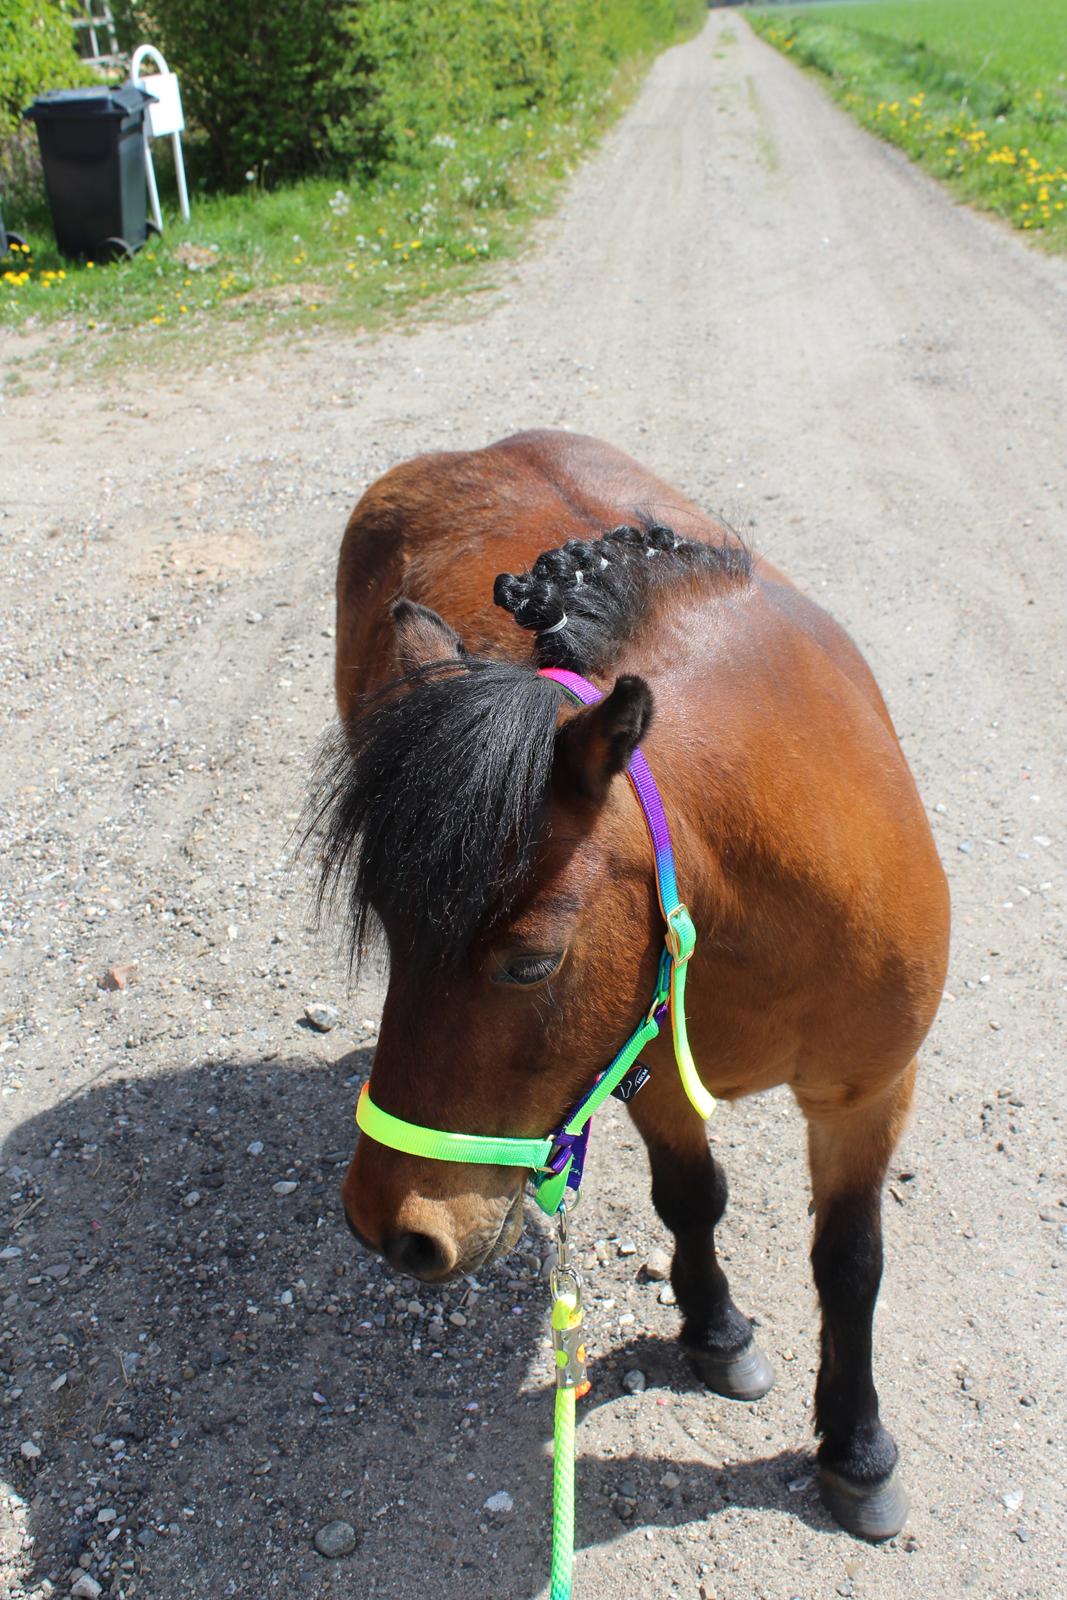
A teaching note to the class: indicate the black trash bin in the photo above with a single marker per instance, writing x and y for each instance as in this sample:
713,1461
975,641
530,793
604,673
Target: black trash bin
92,151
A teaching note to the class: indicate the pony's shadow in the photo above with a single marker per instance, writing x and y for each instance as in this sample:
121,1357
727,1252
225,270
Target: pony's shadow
198,1347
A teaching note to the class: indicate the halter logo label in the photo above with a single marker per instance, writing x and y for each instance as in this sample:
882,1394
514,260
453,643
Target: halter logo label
632,1083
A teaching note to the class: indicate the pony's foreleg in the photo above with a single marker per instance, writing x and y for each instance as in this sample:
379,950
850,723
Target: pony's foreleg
689,1192
849,1150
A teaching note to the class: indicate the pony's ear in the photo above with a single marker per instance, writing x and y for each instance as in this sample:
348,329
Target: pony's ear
597,744
422,636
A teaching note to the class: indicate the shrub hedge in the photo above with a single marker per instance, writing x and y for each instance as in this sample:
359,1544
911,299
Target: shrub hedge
299,86
36,52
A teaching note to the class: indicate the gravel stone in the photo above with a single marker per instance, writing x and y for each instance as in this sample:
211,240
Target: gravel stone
658,1266
634,1381
336,1539
323,1018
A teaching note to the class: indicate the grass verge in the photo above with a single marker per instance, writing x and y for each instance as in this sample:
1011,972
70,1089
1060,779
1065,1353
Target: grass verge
315,253
975,91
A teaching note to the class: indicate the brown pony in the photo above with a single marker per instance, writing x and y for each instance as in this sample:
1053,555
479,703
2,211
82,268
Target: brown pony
480,820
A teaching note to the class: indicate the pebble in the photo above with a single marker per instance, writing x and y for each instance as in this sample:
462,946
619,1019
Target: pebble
255,1148
658,1266
59,1270
29,1451
285,1186
191,1199
670,1480
106,1514
336,1539
322,1017
1012,1499
635,1381
10,1252
499,1504
457,1319
667,1296
85,1588
626,1247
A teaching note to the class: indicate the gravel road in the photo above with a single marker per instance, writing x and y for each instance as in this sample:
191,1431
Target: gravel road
199,1371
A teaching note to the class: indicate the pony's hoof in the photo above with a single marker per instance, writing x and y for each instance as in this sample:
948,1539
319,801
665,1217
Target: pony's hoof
873,1511
745,1375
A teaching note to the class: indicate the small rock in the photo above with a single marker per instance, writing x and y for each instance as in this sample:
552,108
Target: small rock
336,1539
191,1199
635,1381
106,1514
59,1270
798,1485
1023,1535
255,1148
966,848
500,1504
10,1252
29,1451
658,1266
667,1296
1012,1499
85,1588
670,1480
457,1319
626,1247
253,616
322,1017
120,976
285,1186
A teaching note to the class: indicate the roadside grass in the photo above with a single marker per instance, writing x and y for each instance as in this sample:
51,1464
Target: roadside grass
311,254
973,90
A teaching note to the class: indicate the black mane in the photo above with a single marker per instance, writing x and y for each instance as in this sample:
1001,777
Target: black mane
585,600
430,802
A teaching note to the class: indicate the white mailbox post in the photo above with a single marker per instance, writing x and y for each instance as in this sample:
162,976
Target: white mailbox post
162,116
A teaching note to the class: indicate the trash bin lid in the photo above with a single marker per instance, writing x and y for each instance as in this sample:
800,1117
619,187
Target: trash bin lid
90,102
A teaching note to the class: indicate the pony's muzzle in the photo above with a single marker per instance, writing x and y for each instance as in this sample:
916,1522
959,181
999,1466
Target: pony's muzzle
427,1256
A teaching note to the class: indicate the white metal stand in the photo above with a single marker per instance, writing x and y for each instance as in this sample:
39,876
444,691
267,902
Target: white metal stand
163,115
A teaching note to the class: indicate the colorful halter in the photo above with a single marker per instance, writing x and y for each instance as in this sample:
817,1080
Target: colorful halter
557,1161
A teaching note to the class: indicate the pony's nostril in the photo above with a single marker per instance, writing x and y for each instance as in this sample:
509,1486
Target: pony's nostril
418,1254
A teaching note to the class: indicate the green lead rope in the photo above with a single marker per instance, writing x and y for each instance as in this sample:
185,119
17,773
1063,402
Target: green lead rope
563,1495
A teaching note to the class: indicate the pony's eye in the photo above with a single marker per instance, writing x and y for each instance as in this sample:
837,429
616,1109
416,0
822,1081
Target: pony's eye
527,969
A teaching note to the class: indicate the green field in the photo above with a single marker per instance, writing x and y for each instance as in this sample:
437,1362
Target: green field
974,90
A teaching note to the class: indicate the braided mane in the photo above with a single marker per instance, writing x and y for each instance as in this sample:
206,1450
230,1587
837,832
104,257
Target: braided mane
587,598
429,803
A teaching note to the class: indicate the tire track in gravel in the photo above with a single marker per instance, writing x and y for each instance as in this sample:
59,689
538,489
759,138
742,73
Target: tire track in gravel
800,330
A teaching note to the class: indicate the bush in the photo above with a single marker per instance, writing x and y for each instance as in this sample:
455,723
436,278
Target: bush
345,85
36,52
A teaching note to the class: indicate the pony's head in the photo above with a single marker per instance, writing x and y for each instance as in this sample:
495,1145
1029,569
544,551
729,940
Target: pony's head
477,821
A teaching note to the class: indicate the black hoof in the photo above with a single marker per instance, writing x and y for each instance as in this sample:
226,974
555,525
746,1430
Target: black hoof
872,1511
745,1375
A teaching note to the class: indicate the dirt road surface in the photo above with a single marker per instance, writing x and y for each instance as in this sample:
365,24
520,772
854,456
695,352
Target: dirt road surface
199,1370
